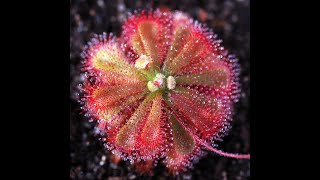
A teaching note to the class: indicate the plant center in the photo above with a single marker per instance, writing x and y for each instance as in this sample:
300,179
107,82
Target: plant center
161,82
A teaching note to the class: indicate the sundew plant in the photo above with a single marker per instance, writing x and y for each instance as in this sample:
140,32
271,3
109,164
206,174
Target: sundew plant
163,91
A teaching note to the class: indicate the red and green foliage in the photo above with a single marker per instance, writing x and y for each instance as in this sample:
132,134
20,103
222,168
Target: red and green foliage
163,90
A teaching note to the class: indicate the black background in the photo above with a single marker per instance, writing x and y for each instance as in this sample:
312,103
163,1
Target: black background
36,86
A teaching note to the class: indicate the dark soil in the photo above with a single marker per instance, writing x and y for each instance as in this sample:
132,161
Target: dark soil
230,19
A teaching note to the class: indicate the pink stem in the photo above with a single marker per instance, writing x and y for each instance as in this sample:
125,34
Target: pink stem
237,156
232,155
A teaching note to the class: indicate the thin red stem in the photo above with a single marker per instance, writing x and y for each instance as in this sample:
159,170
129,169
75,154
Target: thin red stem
237,156
232,155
